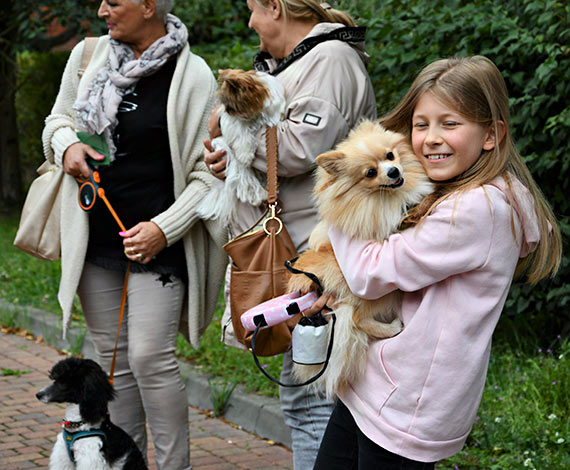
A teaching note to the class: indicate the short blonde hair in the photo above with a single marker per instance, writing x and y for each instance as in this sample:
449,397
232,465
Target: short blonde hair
311,10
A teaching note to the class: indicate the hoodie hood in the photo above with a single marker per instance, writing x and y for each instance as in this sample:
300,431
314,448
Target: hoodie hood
524,206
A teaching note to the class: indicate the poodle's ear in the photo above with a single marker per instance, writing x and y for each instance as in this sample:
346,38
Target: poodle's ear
96,392
331,162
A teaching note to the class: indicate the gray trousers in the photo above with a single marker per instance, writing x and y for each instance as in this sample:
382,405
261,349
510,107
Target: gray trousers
147,377
307,414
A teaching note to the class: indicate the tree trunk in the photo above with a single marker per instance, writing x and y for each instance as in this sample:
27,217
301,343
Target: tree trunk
10,179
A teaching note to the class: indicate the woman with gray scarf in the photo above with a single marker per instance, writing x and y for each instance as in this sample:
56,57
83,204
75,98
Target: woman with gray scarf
148,99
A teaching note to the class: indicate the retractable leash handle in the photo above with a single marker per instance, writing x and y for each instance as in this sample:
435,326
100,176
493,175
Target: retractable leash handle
90,189
277,310
308,300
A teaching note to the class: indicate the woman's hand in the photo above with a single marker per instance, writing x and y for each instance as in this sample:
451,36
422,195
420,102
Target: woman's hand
74,159
214,124
325,299
143,242
215,160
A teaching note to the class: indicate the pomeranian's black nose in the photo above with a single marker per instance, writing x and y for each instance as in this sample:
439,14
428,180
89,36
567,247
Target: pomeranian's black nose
393,173
40,395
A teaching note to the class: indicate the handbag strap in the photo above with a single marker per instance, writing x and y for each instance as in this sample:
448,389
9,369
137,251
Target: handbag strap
88,49
272,155
309,381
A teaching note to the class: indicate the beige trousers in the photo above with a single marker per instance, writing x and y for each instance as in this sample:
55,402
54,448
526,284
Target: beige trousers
147,377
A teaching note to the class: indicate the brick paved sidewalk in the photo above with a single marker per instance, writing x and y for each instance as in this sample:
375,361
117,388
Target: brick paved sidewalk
28,428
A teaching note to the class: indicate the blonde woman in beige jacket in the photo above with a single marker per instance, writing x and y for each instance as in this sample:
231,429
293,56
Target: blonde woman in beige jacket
317,53
154,181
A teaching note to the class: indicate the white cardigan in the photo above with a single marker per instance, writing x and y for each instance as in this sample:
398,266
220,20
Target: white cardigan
190,100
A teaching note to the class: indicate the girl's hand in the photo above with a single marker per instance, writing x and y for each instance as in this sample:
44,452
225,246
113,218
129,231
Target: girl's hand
326,299
143,242
74,157
215,160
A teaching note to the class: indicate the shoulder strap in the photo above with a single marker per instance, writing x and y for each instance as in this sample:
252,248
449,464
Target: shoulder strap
272,155
88,49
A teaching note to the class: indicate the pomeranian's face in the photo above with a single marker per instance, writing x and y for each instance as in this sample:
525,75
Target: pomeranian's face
242,93
372,159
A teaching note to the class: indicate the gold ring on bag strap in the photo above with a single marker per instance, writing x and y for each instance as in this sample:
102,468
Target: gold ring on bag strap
273,216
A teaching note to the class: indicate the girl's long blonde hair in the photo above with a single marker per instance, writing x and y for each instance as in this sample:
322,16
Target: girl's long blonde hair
311,10
475,88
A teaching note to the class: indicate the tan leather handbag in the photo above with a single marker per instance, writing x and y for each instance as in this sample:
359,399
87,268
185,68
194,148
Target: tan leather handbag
258,272
39,230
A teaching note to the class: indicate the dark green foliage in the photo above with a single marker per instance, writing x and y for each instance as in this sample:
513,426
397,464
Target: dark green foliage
29,19
220,22
38,83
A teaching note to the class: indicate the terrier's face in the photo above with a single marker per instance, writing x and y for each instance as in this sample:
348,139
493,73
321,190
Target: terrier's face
242,93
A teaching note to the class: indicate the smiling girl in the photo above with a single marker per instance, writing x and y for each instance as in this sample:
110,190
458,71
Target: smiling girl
417,400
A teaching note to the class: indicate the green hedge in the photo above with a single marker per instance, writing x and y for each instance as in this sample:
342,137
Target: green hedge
39,76
527,39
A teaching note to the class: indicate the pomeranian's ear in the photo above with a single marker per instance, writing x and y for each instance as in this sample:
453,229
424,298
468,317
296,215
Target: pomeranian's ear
404,146
331,161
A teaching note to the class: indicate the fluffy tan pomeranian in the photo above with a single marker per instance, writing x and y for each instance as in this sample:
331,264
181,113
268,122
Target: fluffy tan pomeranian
364,187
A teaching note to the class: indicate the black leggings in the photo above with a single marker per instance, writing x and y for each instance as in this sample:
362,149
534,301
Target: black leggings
345,447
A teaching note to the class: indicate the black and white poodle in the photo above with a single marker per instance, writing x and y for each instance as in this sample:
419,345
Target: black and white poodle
88,441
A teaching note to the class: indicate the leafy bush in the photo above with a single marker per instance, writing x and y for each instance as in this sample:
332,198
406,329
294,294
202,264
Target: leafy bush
219,22
39,76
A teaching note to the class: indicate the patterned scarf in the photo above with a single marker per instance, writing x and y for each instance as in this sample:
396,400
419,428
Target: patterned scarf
98,104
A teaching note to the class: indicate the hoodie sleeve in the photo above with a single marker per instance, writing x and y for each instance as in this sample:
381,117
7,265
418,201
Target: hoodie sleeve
456,238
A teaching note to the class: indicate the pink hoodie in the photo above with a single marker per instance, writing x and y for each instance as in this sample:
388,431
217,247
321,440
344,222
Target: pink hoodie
421,390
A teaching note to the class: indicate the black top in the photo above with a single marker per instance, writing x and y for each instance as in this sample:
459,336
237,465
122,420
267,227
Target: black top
139,183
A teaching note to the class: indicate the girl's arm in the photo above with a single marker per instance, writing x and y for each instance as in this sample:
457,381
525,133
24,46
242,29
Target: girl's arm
454,239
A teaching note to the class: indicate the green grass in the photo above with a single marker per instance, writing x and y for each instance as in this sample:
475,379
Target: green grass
236,365
523,421
25,280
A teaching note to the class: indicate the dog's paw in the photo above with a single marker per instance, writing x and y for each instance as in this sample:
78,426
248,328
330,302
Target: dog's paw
379,330
394,327
300,283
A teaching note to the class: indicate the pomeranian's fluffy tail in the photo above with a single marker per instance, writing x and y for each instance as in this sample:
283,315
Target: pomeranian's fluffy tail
348,357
